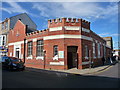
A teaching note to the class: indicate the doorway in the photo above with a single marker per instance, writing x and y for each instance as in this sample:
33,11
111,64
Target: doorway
72,57
17,52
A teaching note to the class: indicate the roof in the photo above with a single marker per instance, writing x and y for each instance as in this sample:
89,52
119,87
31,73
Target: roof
29,30
107,38
25,19
116,49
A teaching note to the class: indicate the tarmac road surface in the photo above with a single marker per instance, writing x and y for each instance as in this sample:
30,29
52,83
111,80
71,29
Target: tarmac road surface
31,79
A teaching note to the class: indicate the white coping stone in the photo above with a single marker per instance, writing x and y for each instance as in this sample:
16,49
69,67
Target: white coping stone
55,57
40,57
57,63
29,57
84,63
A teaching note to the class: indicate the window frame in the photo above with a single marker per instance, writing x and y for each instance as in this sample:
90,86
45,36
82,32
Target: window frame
99,50
6,25
39,48
86,51
30,48
55,50
3,26
94,49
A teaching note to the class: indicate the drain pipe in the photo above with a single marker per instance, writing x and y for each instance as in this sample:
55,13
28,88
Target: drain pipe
24,49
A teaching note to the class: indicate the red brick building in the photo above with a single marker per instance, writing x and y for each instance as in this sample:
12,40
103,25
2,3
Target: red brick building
67,43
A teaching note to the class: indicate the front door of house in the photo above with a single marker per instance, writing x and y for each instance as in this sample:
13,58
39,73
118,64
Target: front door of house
72,57
17,53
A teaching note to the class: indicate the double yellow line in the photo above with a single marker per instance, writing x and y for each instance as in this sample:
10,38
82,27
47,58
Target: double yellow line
102,70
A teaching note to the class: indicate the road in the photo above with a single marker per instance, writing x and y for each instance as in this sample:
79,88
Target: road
31,79
112,71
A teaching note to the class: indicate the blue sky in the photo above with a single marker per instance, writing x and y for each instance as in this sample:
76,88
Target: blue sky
102,15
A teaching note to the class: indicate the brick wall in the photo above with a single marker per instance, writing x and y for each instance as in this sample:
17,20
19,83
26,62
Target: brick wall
71,37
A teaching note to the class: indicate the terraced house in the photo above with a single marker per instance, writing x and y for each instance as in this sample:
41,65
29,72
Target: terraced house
9,24
66,43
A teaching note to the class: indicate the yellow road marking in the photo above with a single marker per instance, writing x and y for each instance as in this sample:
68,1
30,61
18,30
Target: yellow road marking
103,70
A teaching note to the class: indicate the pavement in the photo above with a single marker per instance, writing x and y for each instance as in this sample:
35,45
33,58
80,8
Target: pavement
88,71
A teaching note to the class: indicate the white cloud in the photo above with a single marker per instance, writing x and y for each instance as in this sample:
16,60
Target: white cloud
61,0
103,34
115,34
6,10
16,8
109,34
86,10
0,20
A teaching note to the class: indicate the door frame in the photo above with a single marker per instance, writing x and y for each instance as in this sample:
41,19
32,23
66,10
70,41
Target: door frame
70,62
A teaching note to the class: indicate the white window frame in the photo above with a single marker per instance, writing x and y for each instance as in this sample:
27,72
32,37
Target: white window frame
6,25
1,41
39,53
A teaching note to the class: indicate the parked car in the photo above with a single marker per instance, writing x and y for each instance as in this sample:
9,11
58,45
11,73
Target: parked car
12,63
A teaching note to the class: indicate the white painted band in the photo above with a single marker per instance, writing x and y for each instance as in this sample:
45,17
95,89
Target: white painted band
16,43
55,29
67,36
55,37
72,28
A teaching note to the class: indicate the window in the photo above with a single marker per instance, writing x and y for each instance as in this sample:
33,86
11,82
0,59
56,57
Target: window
6,25
98,50
3,26
55,50
40,48
86,51
94,54
30,47
3,42
0,40
104,50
